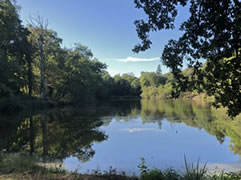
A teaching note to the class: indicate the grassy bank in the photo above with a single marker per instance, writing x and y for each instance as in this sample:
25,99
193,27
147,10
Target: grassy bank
21,166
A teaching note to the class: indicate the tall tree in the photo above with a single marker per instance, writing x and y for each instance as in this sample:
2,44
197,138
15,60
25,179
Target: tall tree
159,70
41,25
212,32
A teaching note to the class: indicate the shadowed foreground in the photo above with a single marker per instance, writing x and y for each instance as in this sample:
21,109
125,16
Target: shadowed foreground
21,166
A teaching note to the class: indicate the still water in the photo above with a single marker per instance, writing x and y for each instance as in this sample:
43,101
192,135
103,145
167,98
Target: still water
118,134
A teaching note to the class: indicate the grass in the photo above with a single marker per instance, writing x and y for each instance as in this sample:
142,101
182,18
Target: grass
192,172
25,167
195,172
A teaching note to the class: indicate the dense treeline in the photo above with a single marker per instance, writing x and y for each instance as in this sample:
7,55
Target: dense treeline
126,85
33,63
156,85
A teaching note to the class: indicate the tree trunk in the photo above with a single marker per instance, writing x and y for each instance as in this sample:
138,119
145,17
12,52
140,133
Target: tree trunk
30,76
42,69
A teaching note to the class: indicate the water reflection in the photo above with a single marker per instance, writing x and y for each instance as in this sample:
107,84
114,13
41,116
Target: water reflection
72,132
199,115
56,134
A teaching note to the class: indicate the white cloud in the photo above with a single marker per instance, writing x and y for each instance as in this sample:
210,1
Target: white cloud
133,59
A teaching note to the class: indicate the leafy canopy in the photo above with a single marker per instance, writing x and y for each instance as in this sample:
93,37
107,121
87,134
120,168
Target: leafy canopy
211,33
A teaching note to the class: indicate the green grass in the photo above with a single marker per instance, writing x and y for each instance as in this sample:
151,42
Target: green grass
22,166
192,172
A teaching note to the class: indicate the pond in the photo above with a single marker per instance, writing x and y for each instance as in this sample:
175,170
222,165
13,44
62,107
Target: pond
119,133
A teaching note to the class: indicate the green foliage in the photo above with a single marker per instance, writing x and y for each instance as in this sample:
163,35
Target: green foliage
169,76
151,79
160,92
147,174
12,50
165,91
125,85
82,75
156,85
142,166
205,37
152,175
192,173
149,92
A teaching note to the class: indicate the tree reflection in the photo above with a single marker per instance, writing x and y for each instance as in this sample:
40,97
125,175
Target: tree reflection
200,115
58,134
72,131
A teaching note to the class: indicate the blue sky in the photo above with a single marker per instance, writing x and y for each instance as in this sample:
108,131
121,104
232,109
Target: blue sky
106,27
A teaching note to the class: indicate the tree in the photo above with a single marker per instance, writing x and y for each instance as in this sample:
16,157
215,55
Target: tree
13,49
82,75
41,27
47,57
159,70
213,33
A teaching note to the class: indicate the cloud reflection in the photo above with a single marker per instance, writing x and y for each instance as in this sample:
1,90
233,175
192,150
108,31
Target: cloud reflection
134,130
